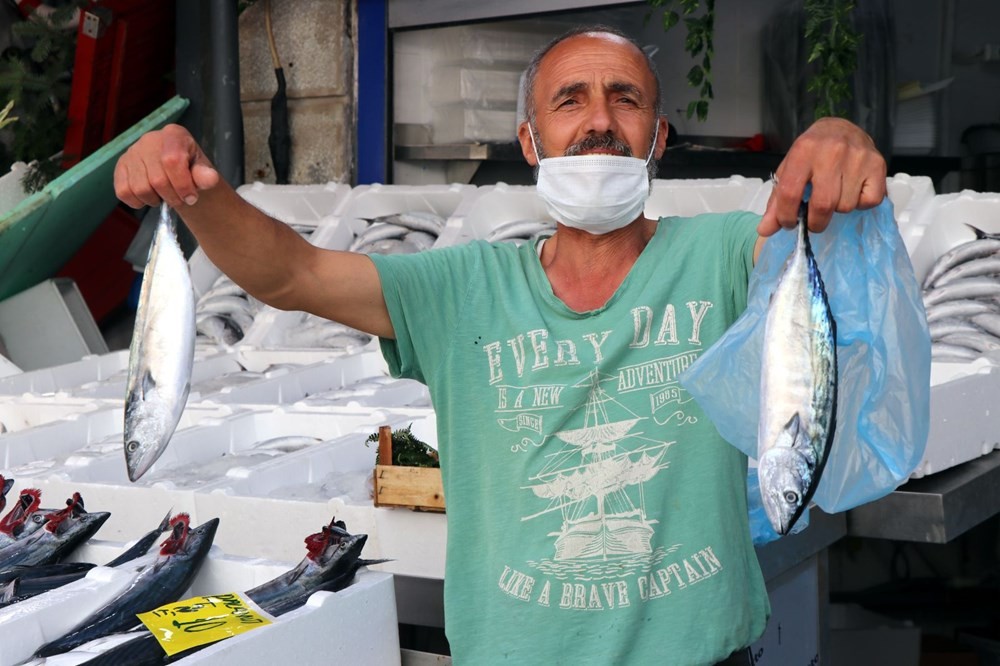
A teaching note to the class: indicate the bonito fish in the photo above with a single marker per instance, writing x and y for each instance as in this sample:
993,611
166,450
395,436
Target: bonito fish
332,559
21,584
161,578
56,538
798,387
162,351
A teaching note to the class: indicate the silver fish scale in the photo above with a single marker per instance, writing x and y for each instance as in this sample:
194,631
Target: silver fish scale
798,381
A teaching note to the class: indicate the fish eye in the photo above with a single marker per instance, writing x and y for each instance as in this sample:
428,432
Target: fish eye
791,496
38,519
132,446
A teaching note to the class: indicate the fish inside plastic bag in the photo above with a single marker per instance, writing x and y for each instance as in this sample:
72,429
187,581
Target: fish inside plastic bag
883,356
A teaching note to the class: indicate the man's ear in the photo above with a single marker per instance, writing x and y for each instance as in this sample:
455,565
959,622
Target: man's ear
661,137
527,147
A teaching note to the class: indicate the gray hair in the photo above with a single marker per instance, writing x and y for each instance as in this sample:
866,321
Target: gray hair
532,71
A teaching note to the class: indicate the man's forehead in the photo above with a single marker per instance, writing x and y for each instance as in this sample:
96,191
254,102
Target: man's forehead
565,53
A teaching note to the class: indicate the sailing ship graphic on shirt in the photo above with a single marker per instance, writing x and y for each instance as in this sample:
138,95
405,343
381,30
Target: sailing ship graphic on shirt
595,481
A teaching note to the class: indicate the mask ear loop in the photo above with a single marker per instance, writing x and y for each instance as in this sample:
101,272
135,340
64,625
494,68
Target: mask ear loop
531,133
656,135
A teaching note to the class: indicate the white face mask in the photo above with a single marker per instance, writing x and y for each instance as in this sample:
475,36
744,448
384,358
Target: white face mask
595,193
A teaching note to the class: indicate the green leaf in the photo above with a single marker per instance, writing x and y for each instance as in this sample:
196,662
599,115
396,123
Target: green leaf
695,76
702,110
692,108
690,6
670,19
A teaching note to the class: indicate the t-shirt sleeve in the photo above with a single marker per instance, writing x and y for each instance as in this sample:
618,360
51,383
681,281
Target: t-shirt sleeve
424,293
740,232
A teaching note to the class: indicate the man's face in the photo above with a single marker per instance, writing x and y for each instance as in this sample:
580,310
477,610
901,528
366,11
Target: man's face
593,94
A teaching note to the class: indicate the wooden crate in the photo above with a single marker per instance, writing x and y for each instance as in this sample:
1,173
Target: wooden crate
417,488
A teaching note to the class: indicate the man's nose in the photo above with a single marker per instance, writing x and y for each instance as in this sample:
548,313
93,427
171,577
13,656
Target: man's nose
600,120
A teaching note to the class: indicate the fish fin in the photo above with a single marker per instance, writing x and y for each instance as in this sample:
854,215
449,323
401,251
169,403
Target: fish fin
980,234
9,591
148,383
789,435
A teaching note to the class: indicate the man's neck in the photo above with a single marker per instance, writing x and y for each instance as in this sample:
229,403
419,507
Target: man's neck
585,270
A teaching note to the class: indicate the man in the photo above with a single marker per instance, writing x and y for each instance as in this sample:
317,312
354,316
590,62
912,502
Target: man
595,515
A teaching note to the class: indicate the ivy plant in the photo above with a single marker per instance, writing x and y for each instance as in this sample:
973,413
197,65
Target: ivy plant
37,80
832,44
698,43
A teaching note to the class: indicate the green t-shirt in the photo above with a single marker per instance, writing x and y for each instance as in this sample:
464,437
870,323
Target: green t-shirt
595,516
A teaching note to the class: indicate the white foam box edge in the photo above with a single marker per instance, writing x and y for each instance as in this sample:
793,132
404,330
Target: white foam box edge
320,370
295,204
26,626
907,193
964,422
489,207
694,196
20,413
356,625
318,627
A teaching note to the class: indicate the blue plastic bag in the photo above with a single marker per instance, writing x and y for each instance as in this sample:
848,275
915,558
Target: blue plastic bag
883,356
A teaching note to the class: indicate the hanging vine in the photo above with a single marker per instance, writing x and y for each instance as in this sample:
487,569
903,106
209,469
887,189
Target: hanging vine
832,43
700,31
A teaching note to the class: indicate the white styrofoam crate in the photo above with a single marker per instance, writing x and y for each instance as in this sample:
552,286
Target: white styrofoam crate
221,375
369,201
299,205
202,465
333,380
689,197
82,378
945,219
77,433
24,413
356,624
907,193
964,421
488,208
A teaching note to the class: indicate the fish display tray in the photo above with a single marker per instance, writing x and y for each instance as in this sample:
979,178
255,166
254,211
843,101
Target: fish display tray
945,220
907,193
211,469
694,196
24,413
964,421
370,201
354,625
77,437
303,205
79,378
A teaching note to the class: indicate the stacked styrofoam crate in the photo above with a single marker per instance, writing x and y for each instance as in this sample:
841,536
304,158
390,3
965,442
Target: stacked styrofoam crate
907,193
493,206
364,203
309,209
964,422
354,625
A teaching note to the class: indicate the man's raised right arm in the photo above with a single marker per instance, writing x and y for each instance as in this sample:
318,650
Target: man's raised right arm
265,257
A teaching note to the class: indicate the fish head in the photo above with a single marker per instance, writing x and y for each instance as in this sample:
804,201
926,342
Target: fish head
199,539
784,476
148,428
5,486
28,501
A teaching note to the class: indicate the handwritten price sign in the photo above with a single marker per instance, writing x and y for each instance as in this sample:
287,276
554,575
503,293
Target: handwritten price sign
202,620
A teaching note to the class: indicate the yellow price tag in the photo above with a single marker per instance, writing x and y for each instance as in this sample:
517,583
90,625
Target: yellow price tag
185,624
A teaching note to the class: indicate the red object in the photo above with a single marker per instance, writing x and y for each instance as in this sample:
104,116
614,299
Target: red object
99,268
122,71
755,144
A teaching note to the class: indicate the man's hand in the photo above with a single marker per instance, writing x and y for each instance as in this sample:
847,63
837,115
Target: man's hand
166,165
844,167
